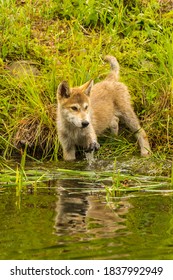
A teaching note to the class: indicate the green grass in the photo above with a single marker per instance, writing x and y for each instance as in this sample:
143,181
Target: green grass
110,182
67,40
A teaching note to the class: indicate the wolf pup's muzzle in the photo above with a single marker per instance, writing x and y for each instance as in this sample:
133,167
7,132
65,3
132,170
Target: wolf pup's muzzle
85,124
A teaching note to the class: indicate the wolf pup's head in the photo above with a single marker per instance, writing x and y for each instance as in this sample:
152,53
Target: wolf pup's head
74,103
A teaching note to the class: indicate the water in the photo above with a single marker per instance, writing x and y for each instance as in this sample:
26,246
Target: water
71,219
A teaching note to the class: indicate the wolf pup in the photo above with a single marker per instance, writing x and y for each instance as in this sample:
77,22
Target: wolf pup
74,119
86,111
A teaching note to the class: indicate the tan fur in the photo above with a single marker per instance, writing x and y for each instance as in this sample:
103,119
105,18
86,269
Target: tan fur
107,101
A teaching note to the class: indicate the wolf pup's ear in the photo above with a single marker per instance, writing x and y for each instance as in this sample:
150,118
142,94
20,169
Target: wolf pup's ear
86,88
90,85
63,89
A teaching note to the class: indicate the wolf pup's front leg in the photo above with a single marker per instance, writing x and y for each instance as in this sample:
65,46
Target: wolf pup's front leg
91,144
69,153
67,143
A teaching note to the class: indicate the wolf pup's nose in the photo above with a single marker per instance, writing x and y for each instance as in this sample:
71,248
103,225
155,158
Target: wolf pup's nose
85,124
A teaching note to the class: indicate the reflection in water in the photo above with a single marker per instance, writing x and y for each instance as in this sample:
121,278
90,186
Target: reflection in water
81,212
68,219
134,226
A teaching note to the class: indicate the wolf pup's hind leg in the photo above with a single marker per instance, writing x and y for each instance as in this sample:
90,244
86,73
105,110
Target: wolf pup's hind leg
131,121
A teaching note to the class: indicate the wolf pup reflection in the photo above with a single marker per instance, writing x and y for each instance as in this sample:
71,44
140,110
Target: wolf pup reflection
85,112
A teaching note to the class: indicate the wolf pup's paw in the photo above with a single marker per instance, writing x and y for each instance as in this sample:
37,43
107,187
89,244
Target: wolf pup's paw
93,147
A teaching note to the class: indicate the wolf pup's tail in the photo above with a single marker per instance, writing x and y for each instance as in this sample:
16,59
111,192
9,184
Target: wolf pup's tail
115,68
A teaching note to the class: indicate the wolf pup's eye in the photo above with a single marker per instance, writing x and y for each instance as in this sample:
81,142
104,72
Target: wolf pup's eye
74,108
86,107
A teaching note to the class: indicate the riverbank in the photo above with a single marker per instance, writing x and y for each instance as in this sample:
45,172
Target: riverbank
65,41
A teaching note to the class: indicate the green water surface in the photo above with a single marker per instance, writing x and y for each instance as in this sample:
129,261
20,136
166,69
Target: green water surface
71,219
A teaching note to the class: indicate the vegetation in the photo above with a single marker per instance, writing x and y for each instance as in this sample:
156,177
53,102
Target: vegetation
109,182
55,40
